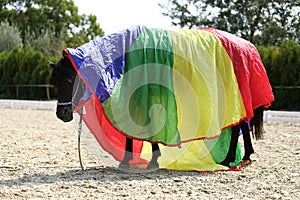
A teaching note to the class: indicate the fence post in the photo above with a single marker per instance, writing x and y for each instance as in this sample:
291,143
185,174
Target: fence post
48,92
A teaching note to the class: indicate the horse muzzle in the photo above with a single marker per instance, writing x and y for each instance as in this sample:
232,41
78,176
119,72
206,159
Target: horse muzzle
64,113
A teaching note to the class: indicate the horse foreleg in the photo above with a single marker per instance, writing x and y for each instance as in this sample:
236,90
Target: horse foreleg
124,165
155,154
233,145
247,141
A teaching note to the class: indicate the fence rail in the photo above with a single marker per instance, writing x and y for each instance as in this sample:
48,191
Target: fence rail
18,86
286,87
44,105
281,116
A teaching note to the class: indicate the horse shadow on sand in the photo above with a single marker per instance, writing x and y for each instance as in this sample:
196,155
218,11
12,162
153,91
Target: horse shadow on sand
101,174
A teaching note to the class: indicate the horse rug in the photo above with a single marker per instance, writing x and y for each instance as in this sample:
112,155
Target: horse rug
182,89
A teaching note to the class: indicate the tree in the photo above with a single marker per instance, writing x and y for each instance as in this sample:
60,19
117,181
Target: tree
89,30
10,37
24,66
261,22
282,64
59,16
47,43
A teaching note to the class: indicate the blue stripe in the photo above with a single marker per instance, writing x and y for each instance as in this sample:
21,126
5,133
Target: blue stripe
101,61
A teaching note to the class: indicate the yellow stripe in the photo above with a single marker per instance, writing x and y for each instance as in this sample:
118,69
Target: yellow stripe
192,156
205,85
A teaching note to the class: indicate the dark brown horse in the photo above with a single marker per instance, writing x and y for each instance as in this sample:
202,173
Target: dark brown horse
64,79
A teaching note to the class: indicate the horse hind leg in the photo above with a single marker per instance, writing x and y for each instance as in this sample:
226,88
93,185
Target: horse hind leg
155,154
257,125
247,141
124,165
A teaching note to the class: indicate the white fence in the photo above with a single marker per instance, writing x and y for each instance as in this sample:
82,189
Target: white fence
281,116
269,115
44,105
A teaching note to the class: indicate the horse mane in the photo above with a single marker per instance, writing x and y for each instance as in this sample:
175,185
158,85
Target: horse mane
257,123
65,61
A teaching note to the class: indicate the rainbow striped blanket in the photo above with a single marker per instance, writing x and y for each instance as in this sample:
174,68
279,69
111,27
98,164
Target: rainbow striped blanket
181,89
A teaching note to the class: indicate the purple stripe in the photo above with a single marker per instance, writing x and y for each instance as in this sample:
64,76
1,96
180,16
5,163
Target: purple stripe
101,61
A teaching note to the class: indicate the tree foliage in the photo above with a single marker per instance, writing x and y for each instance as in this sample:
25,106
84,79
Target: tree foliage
282,64
59,16
24,66
32,32
47,43
261,22
20,66
10,37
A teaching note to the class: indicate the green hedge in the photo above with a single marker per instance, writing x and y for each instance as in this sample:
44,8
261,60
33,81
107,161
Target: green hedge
282,64
24,66
286,99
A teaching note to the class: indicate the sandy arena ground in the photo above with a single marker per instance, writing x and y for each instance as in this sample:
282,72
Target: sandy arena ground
39,160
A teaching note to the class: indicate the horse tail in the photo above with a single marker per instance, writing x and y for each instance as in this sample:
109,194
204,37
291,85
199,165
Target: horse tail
257,123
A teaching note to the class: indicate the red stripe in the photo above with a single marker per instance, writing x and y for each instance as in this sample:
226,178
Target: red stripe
252,78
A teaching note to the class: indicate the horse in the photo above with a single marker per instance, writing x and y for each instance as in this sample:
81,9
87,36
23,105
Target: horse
168,87
63,77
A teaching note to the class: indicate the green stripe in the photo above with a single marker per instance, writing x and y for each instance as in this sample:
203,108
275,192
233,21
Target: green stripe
147,82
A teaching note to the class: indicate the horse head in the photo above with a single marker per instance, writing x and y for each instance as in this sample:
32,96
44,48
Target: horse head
69,88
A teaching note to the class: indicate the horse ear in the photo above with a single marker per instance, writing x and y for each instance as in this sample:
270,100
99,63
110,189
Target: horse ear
65,54
52,65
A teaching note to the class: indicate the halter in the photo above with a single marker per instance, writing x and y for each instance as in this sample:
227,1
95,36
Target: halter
64,103
70,102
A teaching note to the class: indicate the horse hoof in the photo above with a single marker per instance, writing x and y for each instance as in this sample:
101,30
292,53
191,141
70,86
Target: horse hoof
153,166
246,163
123,166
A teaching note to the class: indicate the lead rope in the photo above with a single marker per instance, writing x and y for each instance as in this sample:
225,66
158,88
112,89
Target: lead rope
79,135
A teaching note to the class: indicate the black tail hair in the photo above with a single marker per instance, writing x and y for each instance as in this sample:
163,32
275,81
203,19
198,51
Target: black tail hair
257,123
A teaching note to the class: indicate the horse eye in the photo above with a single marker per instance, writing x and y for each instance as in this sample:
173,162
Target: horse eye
70,81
